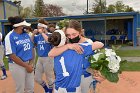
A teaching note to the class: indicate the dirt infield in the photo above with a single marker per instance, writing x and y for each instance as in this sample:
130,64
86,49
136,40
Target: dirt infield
129,83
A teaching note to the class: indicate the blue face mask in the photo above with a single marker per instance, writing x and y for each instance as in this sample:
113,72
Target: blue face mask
75,40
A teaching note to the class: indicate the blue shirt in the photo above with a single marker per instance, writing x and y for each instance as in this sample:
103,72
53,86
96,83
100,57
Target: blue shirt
68,67
43,47
86,64
20,45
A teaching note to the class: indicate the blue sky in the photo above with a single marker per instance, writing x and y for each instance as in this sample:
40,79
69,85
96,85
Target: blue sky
77,7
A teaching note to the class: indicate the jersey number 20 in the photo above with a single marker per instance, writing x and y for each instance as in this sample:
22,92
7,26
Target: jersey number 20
26,46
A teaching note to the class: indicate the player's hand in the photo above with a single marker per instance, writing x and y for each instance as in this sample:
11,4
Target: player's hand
29,68
97,75
76,47
40,30
35,31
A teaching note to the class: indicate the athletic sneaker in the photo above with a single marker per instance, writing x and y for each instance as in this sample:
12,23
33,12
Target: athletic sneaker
3,77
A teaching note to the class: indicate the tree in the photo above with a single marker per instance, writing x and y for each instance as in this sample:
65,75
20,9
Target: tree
128,9
53,10
99,6
120,7
38,8
111,9
18,3
26,12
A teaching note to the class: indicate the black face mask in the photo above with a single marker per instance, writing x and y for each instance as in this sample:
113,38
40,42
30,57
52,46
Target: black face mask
74,40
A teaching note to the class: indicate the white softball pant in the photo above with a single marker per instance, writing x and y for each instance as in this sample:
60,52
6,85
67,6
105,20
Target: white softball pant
24,81
44,65
1,55
85,84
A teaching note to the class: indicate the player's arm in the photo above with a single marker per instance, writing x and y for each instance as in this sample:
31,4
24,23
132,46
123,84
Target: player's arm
43,34
59,50
18,61
97,45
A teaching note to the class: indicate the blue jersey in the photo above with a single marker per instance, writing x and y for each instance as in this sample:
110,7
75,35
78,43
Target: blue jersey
86,64
20,45
68,67
42,46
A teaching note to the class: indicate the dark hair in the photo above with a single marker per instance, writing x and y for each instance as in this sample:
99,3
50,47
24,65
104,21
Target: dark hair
55,38
51,25
15,20
29,28
43,21
75,25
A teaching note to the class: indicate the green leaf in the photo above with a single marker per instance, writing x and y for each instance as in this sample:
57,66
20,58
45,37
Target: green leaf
102,51
113,47
95,66
112,77
101,56
91,59
63,23
122,63
116,48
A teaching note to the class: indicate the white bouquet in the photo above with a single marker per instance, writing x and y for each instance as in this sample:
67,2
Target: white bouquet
107,62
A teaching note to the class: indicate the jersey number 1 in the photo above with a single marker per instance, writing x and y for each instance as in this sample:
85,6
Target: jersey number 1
65,73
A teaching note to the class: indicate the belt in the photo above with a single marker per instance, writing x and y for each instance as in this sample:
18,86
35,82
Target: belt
67,89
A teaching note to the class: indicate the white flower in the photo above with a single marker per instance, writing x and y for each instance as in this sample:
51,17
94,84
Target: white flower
114,64
109,52
111,57
96,56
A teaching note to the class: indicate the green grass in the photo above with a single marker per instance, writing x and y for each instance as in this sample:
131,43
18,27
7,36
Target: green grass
6,63
128,53
131,66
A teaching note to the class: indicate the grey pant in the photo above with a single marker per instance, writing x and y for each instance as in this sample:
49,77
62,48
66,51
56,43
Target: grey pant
1,55
85,84
44,65
24,81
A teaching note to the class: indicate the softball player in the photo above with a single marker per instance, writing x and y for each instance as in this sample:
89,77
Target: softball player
4,76
18,47
44,63
86,78
75,35
68,65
